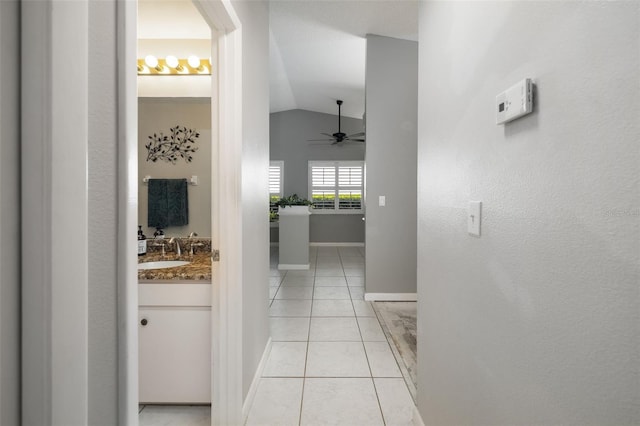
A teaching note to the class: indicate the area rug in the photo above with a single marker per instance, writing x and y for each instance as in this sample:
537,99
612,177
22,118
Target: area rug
398,320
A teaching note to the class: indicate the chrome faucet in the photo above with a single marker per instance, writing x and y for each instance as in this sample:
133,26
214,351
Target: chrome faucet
177,241
192,244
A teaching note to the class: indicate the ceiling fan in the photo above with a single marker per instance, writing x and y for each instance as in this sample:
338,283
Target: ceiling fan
339,137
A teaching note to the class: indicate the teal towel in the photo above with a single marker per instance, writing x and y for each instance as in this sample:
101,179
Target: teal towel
168,203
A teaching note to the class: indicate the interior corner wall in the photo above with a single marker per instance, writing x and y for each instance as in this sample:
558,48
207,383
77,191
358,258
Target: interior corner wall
255,189
103,215
537,320
10,213
391,121
289,133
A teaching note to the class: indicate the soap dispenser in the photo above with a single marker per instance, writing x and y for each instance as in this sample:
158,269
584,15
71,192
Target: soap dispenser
142,242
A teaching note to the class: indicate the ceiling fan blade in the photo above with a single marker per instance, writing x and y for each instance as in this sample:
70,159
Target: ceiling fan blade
356,140
320,140
357,134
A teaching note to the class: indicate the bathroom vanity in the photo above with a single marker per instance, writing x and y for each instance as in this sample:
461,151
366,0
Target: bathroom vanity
174,331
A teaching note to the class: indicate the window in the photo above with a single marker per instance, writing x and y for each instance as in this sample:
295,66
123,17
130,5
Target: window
336,186
275,183
275,178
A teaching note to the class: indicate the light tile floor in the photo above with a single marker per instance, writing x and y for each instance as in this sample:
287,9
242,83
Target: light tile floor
174,415
330,361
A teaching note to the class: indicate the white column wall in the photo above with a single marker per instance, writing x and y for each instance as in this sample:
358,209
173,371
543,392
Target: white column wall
390,157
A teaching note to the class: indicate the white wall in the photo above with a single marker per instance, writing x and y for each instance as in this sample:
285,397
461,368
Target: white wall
288,133
255,191
536,321
391,109
9,214
103,217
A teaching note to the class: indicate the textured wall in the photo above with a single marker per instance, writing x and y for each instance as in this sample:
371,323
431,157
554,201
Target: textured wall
392,102
103,216
255,189
289,132
159,115
10,214
536,321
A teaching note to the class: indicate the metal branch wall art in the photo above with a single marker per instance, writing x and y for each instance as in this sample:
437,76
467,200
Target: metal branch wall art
179,144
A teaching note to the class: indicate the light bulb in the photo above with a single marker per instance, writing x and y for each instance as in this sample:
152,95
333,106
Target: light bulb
151,61
193,61
172,61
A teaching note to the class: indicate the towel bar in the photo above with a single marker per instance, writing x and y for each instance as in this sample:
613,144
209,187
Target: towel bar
192,181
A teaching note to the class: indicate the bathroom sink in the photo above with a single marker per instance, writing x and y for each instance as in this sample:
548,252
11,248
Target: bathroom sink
162,264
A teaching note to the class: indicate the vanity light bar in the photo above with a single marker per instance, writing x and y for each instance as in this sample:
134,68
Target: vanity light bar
173,66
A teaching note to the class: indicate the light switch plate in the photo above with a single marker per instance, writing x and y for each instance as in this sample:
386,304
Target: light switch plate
382,201
474,218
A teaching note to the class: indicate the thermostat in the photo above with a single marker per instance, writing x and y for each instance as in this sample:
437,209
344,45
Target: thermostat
514,102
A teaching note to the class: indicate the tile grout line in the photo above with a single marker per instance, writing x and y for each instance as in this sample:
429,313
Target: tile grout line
396,354
366,355
306,357
308,337
279,286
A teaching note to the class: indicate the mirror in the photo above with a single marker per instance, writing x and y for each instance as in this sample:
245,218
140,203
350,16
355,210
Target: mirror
180,153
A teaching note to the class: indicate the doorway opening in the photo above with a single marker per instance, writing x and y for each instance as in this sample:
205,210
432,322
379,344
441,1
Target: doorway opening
225,90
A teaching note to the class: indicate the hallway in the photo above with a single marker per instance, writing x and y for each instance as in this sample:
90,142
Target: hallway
330,362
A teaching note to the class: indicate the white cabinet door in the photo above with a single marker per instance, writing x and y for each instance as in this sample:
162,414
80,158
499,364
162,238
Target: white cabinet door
174,355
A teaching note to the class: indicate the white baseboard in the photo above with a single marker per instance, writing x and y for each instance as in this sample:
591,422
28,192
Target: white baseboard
391,297
417,418
248,402
296,267
336,244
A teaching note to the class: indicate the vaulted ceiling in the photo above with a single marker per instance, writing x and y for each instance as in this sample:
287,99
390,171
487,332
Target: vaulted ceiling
317,47
318,50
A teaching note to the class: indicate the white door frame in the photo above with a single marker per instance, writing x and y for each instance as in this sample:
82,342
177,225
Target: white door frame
54,188
226,126
127,47
226,312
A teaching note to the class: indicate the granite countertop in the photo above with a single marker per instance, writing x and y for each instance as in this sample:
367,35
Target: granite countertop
198,270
